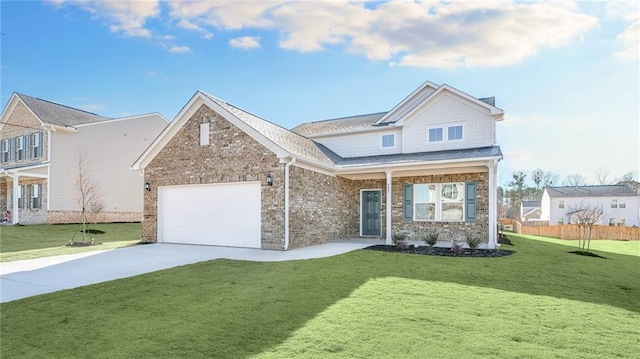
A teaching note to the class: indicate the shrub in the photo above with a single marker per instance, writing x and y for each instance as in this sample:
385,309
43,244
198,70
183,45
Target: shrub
431,238
400,240
457,248
474,242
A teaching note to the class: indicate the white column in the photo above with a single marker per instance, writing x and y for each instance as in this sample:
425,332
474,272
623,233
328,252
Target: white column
14,199
388,238
493,205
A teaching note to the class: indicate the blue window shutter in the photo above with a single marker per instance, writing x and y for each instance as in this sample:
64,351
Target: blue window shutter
470,201
407,202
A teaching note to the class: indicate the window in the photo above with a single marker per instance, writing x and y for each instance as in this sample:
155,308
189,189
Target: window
439,202
20,197
36,192
435,134
561,203
388,140
5,150
204,134
614,203
425,202
622,204
36,145
612,221
20,148
560,220
454,133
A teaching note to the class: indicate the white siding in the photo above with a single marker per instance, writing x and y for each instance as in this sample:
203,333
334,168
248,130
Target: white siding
630,213
445,110
110,147
362,144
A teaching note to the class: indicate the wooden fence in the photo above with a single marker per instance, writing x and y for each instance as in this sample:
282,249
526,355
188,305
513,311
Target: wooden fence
571,231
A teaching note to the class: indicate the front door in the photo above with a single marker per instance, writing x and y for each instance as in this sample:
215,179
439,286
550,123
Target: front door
370,215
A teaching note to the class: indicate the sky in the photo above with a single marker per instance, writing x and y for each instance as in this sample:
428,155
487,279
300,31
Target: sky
565,73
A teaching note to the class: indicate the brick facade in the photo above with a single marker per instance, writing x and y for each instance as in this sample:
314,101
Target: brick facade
232,156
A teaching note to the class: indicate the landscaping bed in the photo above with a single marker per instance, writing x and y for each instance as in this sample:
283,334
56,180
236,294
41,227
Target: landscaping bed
439,251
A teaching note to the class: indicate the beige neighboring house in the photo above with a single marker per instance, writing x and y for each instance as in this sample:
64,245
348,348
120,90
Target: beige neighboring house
219,175
40,145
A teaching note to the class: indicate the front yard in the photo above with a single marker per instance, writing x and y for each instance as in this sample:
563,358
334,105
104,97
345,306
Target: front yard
43,240
538,303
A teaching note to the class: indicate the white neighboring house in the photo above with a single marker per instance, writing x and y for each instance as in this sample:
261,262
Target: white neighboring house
40,145
620,204
530,211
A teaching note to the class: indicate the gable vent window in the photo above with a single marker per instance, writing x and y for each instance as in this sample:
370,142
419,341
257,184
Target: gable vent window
388,141
435,135
204,134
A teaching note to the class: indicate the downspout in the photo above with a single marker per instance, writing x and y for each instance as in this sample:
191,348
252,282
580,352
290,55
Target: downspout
286,202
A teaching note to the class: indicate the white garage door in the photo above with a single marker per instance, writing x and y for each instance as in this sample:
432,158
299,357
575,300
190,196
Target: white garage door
220,214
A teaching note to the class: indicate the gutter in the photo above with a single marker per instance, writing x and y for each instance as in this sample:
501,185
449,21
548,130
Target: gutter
286,202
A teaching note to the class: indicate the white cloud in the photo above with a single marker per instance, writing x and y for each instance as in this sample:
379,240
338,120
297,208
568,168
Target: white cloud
207,36
245,42
179,49
126,17
627,41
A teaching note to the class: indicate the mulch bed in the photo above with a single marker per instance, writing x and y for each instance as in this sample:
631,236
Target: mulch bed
437,251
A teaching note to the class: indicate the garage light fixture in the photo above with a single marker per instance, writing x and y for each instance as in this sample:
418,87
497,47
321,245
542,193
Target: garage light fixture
147,186
269,180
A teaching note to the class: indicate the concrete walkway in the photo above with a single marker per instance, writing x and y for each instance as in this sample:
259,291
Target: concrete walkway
22,279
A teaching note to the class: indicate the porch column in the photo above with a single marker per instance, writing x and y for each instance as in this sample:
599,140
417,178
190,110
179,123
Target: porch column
14,199
388,196
493,205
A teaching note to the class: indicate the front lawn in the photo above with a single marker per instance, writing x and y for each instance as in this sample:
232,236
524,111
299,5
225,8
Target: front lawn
41,240
538,303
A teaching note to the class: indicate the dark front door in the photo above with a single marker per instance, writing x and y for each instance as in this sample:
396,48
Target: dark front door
370,219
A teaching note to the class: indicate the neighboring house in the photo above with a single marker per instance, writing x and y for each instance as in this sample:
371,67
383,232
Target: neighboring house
530,211
620,204
40,145
220,175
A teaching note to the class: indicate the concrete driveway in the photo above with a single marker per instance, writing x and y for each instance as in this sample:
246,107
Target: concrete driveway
22,279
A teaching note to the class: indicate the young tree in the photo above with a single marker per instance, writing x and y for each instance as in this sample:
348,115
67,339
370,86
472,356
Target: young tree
585,216
88,193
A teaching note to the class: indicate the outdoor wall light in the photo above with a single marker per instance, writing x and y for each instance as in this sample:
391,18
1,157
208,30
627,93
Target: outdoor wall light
147,186
269,180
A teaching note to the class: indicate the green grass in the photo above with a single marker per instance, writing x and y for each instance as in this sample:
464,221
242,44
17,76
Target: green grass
43,240
597,245
541,302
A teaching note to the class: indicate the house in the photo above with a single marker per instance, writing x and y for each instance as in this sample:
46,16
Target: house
530,211
620,204
220,175
41,143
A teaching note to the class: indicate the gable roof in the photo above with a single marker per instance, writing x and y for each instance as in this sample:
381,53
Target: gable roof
287,140
338,125
531,204
590,191
482,153
52,113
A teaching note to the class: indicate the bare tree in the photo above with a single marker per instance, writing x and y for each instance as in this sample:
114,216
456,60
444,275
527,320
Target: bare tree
88,193
575,179
549,179
585,216
602,177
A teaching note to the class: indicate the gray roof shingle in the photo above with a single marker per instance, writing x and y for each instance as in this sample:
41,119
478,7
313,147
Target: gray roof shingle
287,140
591,191
338,125
60,115
434,156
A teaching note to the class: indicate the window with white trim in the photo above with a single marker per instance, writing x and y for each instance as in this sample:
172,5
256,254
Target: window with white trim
435,134
614,203
454,133
439,202
36,193
36,145
561,203
20,155
5,150
560,220
622,204
21,197
388,141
